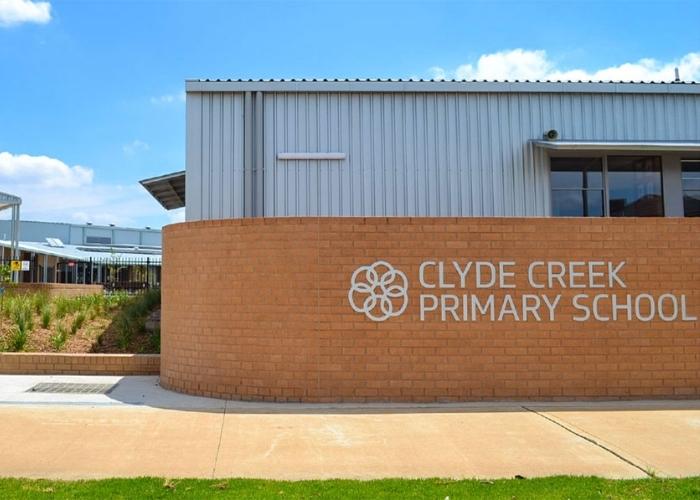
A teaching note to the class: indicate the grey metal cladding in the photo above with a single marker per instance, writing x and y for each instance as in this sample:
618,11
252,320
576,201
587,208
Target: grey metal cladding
408,153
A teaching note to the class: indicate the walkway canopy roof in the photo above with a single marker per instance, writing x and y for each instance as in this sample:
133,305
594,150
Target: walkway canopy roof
573,145
168,189
8,200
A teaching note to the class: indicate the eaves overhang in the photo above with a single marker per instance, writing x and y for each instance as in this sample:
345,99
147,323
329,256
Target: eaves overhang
168,189
639,146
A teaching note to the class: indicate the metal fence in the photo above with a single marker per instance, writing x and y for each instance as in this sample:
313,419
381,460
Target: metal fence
130,275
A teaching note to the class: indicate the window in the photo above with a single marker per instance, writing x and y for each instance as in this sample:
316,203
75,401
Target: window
577,187
690,177
618,186
98,240
634,186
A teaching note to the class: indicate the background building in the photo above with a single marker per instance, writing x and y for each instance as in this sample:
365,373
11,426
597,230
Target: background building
119,257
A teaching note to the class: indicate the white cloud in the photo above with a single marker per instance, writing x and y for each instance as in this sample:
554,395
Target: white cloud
134,147
177,215
521,64
52,191
168,98
43,171
13,12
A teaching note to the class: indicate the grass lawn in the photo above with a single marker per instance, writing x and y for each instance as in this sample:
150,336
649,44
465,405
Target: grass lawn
553,487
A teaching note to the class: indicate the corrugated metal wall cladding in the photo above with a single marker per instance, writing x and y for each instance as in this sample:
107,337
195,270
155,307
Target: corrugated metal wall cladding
214,160
456,154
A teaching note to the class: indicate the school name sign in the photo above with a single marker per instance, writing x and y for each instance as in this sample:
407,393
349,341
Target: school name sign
472,291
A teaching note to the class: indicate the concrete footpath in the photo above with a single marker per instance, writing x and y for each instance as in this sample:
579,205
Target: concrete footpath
139,429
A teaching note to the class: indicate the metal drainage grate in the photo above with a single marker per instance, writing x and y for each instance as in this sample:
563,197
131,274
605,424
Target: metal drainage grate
72,388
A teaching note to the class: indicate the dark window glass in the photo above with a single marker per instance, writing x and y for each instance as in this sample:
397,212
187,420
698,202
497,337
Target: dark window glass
577,187
594,203
634,186
98,240
567,203
691,203
573,173
690,175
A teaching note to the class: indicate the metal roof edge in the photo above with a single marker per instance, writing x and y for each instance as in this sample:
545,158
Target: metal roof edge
440,86
163,177
580,145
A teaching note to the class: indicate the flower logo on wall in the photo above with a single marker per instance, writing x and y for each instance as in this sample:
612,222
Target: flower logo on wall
379,291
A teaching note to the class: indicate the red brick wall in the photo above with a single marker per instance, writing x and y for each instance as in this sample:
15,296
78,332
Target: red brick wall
33,363
56,289
258,309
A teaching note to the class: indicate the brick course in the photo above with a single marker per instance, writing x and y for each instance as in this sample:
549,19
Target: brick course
56,289
37,363
257,309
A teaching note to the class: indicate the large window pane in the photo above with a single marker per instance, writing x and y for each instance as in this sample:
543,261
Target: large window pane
581,173
690,174
567,203
594,202
634,184
691,203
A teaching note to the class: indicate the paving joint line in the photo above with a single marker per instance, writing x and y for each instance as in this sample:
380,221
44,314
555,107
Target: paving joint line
218,446
591,440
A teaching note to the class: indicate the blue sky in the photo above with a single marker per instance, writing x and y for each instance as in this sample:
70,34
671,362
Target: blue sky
92,91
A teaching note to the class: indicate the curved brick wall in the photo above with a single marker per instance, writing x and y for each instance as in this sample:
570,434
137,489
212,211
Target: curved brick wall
258,309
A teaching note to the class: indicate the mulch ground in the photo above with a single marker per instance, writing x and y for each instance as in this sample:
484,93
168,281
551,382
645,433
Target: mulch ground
97,335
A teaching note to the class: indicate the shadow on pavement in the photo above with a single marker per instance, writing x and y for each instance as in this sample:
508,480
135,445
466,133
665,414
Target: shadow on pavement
146,391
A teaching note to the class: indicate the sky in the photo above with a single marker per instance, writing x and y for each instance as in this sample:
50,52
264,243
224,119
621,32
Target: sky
92,92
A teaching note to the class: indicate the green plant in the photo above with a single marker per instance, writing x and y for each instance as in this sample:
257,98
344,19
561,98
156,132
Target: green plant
58,339
126,328
154,341
46,316
17,339
5,274
39,301
61,305
131,319
77,323
67,305
21,313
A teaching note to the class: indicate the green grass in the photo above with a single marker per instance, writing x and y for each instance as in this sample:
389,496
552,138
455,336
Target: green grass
438,489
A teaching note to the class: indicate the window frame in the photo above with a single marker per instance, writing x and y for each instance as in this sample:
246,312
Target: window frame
603,155
683,189
603,188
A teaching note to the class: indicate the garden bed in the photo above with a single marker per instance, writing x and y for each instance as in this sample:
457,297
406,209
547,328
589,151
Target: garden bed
99,323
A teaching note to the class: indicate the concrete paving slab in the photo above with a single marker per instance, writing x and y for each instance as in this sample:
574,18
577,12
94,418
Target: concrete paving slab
130,391
666,442
93,442
141,429
422,444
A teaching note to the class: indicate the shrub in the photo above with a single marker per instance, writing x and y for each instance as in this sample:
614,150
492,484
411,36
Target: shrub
67,305
40,300
58,339
78,321
154,340
46,316
61,305
22,315
125,331
131,319
17,339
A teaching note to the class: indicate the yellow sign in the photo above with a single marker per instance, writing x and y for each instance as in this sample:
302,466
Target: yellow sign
15,265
